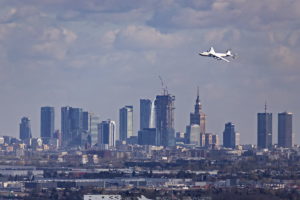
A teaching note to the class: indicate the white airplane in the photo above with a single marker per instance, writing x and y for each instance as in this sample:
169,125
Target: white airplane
218,56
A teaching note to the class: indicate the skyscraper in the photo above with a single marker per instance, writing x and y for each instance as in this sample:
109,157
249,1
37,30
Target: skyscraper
47,123
145,113
285,129
71,126
264,129
229,136
86,120
126,122
147,136
198,117
25,129
193,132
215,139
107,134
164,111
95,120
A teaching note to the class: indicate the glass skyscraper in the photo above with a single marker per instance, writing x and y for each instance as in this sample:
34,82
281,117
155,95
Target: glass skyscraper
164,110
264,130
145,113
229,136
71,126
126,123
47,123
94,121
25,129
285,129
106,134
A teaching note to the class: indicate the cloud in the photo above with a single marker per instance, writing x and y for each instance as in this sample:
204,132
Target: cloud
250,15
287,58
219,35
143,37
54,42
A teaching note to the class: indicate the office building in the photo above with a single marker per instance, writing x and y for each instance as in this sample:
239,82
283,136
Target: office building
107,134
25,129
86,121
47,123
215,140
126,123
164,116
180,138
285,129
57,137
145,113
237,138
71,126
147,136
229,136
94,121
208,139
264,129
193,132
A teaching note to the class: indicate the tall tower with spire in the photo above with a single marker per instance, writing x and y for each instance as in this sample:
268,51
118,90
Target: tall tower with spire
264,129
198,117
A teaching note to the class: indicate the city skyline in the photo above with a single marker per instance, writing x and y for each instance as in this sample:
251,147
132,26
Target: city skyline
185,129
60,52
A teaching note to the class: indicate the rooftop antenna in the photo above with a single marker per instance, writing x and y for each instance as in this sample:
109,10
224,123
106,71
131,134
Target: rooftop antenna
265,106
164,88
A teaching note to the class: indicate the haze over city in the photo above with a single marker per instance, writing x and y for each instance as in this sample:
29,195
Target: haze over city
102,55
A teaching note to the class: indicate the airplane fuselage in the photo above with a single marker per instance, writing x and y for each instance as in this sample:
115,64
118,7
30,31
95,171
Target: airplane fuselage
218,56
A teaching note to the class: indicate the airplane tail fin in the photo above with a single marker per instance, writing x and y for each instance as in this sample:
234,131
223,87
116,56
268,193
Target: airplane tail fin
229,53
211,50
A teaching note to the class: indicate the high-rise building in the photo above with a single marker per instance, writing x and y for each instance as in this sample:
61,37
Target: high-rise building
25,129
208,139
86,120
229,136
126,122
193,132
145,113
237,138
94,121
285,129
215,139
106,134
147,136
57,136
90,126
180,138
164,112
264,129
47,123
198,117
71,126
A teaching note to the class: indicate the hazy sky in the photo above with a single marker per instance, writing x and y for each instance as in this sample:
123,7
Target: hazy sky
101,55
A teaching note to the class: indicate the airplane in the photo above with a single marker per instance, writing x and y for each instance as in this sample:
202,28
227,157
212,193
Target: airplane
218,56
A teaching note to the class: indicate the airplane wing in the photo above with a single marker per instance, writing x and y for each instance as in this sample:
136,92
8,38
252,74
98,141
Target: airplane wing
220,58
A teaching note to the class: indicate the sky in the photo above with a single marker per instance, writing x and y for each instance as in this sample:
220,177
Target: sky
101,55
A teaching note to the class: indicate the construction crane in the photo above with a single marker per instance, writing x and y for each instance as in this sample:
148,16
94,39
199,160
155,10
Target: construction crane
164,88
